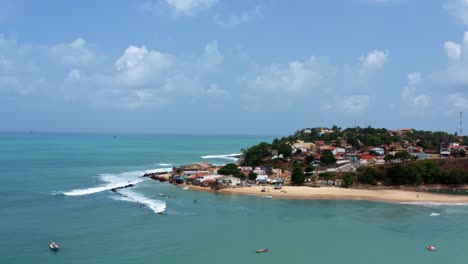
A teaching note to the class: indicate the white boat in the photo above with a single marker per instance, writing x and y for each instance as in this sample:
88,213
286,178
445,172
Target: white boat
54,246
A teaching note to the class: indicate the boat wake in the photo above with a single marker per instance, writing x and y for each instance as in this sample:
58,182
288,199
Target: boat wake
113,181
233,157
127,195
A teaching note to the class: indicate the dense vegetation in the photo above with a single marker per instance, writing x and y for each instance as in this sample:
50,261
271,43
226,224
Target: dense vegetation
369,136
413,173
231,169
356,137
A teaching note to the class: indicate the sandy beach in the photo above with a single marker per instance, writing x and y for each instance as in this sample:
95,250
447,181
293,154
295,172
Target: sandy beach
302,192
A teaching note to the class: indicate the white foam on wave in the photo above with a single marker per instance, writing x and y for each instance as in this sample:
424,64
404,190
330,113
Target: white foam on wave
156,206
116,181
429,204
233,156
164,164
434,214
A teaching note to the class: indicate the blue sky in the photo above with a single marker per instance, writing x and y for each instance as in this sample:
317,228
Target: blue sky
218,66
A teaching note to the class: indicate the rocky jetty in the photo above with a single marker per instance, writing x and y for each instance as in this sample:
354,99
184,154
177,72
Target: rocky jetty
162,177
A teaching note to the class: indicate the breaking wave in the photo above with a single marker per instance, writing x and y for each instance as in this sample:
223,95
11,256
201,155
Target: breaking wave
115,181
127,195
164,164
234,156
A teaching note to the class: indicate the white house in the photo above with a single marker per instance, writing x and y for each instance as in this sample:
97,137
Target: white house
259,171
228,181
262,177
379,151
338,150
209,177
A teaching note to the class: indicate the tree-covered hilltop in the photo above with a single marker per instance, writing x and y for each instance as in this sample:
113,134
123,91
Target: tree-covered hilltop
311,147
353,138
358,137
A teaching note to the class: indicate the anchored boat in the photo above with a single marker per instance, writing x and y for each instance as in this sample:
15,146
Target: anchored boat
54,246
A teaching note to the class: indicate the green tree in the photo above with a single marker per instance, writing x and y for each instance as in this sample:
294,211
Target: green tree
403,156
231,169
297,176
252,176
327,158
254,155
349,179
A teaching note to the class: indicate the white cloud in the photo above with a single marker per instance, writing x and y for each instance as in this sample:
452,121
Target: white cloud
74,75
354,104
414,102
138,66
215,91
189,7
455,75
296,76
211,58
457,102
374,60
458,9
131,57
453,50
357,78
238,19
76,53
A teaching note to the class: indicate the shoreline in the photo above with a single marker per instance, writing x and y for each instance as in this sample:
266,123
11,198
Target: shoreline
336,193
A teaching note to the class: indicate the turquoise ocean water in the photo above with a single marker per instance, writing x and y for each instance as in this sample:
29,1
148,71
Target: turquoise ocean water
55,187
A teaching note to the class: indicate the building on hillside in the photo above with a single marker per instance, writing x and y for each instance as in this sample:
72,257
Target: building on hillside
338,150
378,151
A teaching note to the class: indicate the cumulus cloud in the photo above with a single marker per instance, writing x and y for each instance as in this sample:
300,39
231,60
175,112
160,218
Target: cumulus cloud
413,101
454,76
358,77
143,77
453,50
295,76
76,53
457,101
211,58
138,66
458,9
374,60
354,103
235,20
179,7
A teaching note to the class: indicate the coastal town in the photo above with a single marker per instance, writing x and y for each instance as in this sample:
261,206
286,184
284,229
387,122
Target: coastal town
322,157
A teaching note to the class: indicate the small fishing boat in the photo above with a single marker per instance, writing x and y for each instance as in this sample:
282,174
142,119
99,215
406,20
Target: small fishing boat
262,250
54,246
431,248
278,186
263,189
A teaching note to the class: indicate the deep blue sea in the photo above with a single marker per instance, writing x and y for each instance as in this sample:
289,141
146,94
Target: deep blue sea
56,187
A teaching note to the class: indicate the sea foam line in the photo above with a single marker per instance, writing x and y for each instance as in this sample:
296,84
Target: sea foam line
430,204
233,156
156,206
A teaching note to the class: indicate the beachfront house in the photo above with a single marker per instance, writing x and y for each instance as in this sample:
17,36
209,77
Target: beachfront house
228,181
261,178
